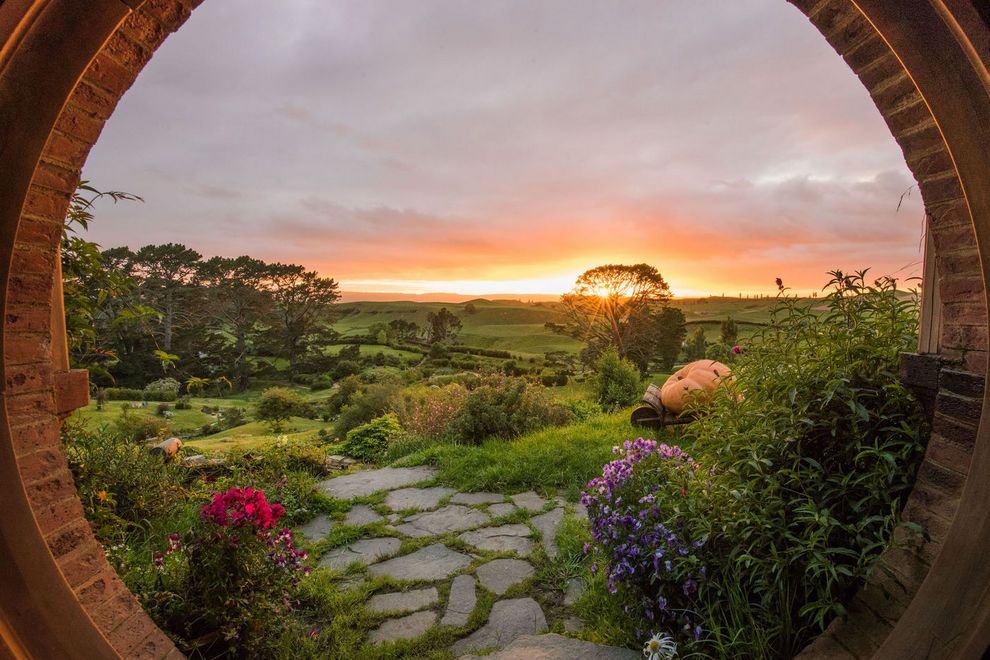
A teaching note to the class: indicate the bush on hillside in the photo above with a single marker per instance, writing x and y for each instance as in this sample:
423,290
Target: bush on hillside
123,394
616,381
370,441
139,427
505,408
365,405
428,412
163,389
277,405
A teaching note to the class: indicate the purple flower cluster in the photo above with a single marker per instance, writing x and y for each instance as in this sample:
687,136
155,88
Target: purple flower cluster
640,534
285,554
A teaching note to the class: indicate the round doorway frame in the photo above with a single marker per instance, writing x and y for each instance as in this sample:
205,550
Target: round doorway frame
65,64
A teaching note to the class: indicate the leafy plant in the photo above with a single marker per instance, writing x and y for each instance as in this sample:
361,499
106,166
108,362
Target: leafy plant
616,381
277,405
369,442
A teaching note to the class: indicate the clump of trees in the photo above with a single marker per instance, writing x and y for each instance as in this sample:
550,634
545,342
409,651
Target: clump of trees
626,309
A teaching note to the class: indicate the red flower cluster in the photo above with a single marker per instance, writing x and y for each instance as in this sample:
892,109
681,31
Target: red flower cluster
242,506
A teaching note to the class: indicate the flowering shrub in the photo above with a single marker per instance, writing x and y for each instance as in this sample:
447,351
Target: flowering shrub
228,584
642,523
427,414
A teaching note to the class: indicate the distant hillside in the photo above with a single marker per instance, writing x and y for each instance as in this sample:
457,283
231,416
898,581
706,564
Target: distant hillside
517,326
375,296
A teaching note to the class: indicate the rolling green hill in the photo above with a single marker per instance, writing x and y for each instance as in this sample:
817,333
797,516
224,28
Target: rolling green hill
518,327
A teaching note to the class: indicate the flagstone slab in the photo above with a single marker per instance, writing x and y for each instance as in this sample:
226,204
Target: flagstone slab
477,498
575,589
580,511
451,518
361,514
529,501
557,647
508,621
416,498
462,601
434,562
317,528
547,524
366,482
499,575
403,601
501,509
407,627
505,538
365,551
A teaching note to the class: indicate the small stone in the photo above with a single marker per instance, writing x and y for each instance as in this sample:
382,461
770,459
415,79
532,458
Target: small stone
499,575
416,498
477,498
548,523
529,501
408,627
434,562
575,589
451,518
558,647
463,598
367,482
580,511
317,528
503,509
394,517
361,514
506,538
365,551
509,620
403,601
573,625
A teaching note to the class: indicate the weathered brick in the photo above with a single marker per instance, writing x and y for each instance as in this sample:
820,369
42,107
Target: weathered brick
863,631
67,150
963,408
26,289
975,361
36,232
927,140
962,262
54,516
93,100
954,431
170,13
44,202
961,289
78,123
128,635
937,160
153,647
867,53
32,260
55,176
28,378
28,318
100,589
68,538
144,29
926,549
939,502
40,464
910,120
127,52
961,382
83,563
51,488
27,348
38,436
897,97
883,69
938,477
939,190
109,75
964,336
114,611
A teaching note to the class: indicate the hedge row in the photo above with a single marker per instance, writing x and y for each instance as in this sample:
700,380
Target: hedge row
133,394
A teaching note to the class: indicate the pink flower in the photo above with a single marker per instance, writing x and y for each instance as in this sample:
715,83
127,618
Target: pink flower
736,350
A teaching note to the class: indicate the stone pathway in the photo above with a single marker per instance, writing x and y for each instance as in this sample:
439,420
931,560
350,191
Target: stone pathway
443,546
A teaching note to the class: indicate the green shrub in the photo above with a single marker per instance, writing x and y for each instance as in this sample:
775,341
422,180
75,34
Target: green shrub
163,389
183,403
277,405
161,409
369,442
427,412
616,382
233,417
138,427
365,405
505,408
123,394
323,382
120,483
803,475
584,410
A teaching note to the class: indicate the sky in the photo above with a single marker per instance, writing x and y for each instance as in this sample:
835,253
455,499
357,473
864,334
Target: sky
507,146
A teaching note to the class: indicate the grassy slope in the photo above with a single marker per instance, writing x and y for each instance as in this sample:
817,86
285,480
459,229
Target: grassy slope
518,327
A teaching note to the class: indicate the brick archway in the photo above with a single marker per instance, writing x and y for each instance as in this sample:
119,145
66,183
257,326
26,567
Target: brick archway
65,64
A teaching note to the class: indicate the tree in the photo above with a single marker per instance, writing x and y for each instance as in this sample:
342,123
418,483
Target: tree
696,345
441,326
616,382
277,405
302,300
729,332
166,274
238,303
668,332
625,308
470,308
402,330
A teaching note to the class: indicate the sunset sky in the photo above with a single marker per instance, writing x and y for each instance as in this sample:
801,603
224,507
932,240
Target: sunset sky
505,147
